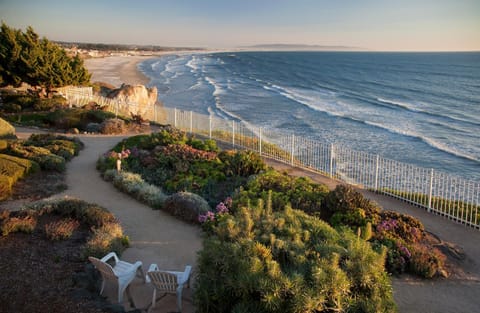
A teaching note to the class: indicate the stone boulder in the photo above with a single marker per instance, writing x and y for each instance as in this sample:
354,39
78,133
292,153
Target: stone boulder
136,99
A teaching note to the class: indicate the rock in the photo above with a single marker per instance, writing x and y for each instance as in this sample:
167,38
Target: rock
136,99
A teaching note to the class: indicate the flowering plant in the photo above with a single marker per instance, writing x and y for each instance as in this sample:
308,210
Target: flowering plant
210,218
118,155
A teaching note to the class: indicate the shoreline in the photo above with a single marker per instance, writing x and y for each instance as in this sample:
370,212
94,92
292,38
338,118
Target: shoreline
118,70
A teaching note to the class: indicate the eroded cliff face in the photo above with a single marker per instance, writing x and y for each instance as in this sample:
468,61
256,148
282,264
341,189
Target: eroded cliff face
136,99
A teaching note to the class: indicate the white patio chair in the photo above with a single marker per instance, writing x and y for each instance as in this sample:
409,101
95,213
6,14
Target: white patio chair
122,273
168,282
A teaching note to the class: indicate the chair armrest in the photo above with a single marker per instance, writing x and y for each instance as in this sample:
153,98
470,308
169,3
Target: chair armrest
109,256
186,276
153,268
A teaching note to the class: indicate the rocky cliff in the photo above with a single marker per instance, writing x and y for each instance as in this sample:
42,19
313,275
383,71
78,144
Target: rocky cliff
136,99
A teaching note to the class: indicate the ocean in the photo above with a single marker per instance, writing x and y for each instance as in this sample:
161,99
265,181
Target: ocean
417,108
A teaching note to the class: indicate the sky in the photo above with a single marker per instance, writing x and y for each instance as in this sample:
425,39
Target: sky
378,25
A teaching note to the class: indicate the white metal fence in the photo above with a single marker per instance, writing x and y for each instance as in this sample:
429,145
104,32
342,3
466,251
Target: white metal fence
450,196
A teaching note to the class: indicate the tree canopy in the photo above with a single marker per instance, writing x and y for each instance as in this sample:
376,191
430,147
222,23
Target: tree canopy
24,57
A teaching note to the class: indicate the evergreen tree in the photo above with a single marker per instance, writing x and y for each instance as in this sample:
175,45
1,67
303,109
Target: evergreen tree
24,57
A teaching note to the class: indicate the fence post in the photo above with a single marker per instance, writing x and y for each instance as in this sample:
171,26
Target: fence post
175,117
331,160
430,192
191,122
116,108
376,172
293,149
210,127
260,141
233,134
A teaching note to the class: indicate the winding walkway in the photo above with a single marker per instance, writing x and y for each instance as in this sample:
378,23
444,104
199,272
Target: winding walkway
157,237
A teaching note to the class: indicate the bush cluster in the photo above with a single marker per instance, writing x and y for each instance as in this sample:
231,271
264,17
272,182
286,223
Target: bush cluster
6,129
187,206
12,169
299,192
106,233
134,185
268,260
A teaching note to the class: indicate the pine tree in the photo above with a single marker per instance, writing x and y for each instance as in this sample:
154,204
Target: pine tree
24,57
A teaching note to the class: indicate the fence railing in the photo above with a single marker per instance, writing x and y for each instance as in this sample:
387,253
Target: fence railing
453,197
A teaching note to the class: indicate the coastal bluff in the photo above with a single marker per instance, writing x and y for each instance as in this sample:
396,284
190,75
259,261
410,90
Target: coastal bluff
135,95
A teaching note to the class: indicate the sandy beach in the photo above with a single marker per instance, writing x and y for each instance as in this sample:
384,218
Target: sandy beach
456,294
117,70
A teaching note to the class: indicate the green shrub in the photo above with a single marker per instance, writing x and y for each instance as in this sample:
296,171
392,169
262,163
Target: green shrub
300,192
42,156
24,101
346,206
6,129
287,261
113,126
61,230
165,136
134,185
65,119
45,104
241,163
71,144
24,224
186,205
205,145
16,167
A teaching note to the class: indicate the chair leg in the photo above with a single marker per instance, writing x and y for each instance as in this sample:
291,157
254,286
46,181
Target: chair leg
179,301
103,286
154,297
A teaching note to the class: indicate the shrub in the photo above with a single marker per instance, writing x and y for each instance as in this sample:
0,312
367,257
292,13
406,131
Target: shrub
401,226
300,192
186,205
166,135
56,143
93,127
64,119
61,230
241,163
16,167
25,224
425,261
134,185
287,261
346,206
6,129
106,238
113,126
45,104
23,101
42,156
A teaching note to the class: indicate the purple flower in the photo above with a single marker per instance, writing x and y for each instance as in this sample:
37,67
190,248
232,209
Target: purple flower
228,202
209,216
221,208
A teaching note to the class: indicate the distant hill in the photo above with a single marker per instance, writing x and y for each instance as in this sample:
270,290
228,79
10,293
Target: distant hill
293,47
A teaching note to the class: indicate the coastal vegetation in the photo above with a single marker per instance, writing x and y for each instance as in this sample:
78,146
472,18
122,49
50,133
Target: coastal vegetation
273,240
42,152
46,246
25,57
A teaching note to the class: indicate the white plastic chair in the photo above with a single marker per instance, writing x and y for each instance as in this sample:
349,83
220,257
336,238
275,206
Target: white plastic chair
122,273
168,282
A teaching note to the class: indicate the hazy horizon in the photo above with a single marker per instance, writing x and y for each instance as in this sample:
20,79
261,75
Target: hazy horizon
373,25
